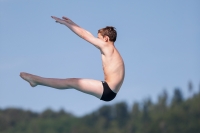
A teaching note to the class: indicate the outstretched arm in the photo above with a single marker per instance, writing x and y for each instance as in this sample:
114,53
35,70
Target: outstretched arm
80,31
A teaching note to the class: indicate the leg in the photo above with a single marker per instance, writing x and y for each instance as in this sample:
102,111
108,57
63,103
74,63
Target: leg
89,86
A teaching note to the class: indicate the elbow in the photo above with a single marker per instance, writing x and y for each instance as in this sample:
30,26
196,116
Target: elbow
86,35
83,35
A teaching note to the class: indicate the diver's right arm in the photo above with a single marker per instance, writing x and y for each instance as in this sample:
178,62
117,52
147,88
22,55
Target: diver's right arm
86,35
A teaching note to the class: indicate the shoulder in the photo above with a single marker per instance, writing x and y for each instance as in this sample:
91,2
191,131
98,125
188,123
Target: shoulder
107,49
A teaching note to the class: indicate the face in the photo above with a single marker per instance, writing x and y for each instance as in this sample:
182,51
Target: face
100,36
105,39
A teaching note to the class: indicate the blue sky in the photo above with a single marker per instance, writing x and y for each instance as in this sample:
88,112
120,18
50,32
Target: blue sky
159,41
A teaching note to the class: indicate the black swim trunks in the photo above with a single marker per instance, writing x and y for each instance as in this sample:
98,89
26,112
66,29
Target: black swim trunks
108,94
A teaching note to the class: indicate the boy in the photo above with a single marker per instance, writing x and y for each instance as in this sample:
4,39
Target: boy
113,65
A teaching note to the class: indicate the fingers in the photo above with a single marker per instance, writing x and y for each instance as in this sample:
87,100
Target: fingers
58,20
53,17
65,18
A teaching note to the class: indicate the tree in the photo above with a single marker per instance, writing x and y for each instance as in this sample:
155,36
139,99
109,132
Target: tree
106,112
48,113
190,88
147,106
162,102
199,88
177,98
135,110
121,113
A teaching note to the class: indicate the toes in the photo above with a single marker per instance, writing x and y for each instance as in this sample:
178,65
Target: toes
22,74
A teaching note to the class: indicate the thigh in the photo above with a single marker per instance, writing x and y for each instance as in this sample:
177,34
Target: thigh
89,86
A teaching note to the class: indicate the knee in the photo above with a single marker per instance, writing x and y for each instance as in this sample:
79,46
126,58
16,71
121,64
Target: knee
71,83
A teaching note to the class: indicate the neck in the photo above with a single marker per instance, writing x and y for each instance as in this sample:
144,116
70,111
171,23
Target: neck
112,43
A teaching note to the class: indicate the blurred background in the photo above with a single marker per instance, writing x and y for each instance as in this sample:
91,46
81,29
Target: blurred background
158,40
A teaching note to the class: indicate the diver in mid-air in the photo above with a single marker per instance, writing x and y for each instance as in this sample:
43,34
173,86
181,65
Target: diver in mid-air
113,65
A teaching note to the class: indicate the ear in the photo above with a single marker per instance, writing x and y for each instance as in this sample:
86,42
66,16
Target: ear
106,39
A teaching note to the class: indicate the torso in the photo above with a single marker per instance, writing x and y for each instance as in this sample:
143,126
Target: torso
113,67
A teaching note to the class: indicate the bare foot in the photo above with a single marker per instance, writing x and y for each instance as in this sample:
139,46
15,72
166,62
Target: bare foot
29,78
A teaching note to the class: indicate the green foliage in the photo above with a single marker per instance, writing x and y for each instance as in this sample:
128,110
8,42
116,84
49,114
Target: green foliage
180,115
178,98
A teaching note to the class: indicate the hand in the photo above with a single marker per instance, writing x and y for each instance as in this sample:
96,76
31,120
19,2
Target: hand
64,20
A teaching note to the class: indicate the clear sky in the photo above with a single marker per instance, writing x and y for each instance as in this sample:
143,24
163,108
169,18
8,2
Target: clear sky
159,41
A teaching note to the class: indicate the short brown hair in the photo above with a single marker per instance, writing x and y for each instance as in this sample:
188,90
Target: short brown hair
110,32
